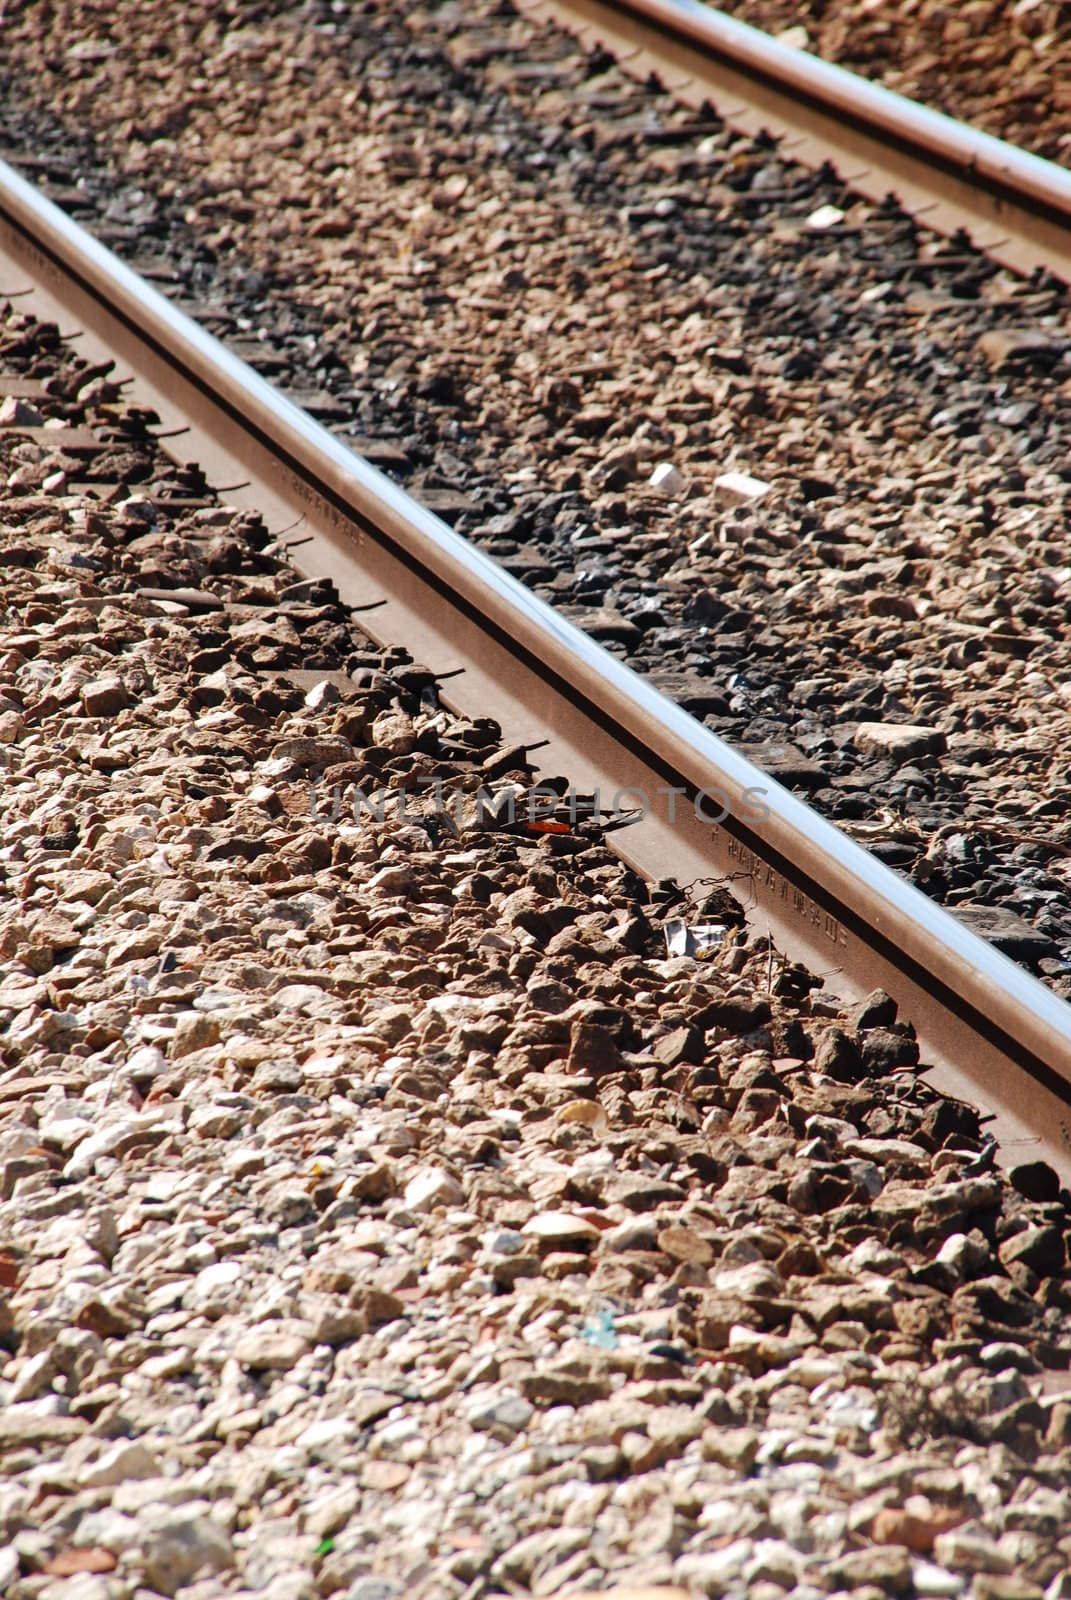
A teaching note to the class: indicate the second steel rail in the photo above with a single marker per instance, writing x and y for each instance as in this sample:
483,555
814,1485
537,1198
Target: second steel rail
1014,206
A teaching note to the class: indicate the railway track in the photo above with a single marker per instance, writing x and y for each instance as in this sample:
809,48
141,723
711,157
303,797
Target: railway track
994,1034
384,1210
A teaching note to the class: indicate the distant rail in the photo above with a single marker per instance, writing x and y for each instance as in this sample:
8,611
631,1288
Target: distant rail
1014,206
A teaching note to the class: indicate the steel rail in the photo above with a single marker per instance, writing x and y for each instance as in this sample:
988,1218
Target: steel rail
1014,206
997,1036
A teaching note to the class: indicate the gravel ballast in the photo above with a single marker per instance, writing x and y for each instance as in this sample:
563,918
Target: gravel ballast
383,1212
